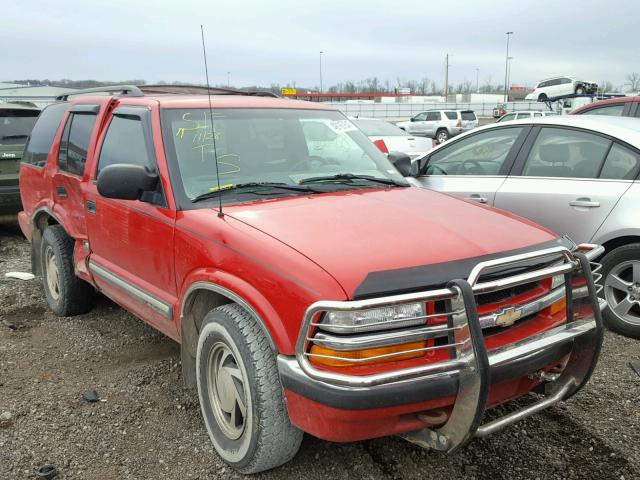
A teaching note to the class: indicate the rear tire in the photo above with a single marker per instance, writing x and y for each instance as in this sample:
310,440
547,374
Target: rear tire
240,394
66,294
442,136
621,280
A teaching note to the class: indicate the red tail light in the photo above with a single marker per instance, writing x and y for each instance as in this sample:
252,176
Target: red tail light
459,124
381,146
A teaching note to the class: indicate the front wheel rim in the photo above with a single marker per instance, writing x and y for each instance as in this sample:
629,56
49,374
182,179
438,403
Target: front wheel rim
622,291
227,391
52,273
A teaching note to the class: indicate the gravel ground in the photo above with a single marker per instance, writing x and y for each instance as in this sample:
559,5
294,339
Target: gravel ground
147,426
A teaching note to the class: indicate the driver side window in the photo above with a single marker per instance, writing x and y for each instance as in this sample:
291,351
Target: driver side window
480,154
421,117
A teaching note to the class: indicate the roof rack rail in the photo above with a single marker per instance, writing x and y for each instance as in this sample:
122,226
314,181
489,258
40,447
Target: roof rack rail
130,90
199,89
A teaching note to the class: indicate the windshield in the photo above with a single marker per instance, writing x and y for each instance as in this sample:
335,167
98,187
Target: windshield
379,128
269,149
16,126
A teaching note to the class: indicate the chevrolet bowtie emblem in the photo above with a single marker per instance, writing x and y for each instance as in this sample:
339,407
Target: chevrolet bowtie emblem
508,317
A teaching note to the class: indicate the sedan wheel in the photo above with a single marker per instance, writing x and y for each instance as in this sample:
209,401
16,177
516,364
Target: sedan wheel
622,291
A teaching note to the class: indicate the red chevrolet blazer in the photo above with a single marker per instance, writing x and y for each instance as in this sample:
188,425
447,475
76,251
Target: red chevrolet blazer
311,288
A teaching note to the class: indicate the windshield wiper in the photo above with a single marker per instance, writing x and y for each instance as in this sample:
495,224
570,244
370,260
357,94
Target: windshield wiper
251,187
349,177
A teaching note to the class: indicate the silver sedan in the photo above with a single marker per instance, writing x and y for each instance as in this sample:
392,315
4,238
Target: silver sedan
577,175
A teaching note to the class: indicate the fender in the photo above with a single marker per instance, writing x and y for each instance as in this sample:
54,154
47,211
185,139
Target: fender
238,291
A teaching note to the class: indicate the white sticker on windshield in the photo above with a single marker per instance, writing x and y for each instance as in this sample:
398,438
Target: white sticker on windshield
342,126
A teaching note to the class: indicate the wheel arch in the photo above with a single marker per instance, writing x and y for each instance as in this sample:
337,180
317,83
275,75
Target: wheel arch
41,219
198,300
613,243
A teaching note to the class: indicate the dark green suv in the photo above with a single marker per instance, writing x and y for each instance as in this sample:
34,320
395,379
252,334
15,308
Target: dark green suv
16,122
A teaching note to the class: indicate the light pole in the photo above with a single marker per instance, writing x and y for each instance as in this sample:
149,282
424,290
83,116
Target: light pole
506,67
446,77
321,52
477,80
228,79
509,70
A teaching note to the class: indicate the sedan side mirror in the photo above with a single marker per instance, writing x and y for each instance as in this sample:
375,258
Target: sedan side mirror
126,182
412,119
402,162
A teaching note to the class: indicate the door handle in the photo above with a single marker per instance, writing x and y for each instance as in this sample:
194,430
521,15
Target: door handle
91,206
477,198
61,192
584,202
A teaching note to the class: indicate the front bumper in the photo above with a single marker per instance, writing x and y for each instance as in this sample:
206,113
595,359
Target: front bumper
467,377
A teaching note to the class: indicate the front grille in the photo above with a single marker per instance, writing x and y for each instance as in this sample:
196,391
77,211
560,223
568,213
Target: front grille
506,294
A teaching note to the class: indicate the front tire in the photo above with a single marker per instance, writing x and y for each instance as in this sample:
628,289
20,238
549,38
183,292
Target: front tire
580,91
66,294
542,97
621,280
240,394
442,136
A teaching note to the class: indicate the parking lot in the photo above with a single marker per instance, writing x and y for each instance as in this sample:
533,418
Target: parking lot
147,426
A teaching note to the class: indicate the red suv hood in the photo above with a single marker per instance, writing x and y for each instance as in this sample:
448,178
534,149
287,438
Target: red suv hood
351,234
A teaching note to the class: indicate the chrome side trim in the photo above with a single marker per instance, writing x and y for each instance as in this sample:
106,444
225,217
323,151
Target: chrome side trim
133,291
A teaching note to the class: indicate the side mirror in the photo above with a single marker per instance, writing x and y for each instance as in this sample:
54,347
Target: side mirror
402,162
126,182
412,119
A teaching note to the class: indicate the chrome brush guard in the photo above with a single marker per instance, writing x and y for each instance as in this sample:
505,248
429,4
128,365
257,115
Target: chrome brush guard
471,362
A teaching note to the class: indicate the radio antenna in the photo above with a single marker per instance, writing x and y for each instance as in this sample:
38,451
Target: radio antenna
213,131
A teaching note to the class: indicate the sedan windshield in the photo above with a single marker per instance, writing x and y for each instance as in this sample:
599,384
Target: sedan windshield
259,152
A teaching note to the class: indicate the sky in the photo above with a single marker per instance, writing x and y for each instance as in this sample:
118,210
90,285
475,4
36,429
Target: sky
278,42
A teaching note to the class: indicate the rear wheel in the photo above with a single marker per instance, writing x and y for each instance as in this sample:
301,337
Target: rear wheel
240,394
66,294
442,135
621,273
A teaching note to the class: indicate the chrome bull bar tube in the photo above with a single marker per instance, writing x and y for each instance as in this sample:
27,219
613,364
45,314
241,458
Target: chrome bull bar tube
472,363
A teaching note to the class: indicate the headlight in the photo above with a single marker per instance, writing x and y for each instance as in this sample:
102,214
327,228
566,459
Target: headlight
396,316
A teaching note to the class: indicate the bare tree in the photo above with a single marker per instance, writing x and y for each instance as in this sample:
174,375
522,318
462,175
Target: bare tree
633,80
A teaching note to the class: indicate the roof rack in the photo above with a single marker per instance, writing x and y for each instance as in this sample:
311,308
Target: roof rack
141,90
199,89
130,90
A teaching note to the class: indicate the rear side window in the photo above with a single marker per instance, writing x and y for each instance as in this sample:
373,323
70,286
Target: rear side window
559,152
75,143
468,116
609,110
621,164
124,143
451,115
42,135
433,116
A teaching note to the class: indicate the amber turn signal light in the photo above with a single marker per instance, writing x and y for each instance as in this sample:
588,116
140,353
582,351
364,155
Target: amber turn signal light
334,358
